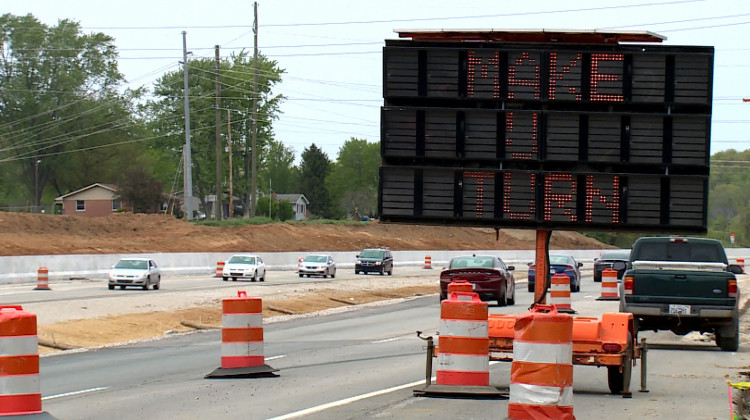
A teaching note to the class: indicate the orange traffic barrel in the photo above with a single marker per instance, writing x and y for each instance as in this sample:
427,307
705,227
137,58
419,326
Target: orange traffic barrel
541,375
42,279
559,292
219,269
741,263
463,347
460,286
242,338
20,392
609,285
428,262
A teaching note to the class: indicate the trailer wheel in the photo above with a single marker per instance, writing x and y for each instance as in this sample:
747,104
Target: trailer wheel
618,377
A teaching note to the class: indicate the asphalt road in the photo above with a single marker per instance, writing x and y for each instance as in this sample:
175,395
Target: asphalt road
362,364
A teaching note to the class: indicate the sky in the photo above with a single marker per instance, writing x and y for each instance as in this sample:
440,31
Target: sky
331,50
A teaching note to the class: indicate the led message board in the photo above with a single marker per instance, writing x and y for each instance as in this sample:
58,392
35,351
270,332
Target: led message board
546,135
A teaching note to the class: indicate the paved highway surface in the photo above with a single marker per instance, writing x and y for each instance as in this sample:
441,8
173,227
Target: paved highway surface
361,365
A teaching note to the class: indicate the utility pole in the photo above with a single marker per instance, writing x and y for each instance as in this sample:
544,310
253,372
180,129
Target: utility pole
254,187
187,189
37,161
219,196
229,143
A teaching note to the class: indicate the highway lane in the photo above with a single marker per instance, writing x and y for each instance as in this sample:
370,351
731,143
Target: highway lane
324,361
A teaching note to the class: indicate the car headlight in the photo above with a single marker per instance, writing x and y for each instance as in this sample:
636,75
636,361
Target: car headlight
359,261
378,263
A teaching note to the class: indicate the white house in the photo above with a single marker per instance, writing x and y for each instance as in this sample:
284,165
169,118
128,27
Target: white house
299,204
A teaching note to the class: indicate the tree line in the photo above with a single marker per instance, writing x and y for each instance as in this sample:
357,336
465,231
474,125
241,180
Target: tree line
65,123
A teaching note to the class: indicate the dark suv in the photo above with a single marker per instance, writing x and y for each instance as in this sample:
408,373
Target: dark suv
376,260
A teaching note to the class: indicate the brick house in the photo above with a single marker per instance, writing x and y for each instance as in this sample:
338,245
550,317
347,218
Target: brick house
93,200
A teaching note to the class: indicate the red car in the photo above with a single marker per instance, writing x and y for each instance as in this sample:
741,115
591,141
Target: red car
491,278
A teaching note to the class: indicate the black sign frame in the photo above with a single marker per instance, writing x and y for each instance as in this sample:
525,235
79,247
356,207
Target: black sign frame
629,112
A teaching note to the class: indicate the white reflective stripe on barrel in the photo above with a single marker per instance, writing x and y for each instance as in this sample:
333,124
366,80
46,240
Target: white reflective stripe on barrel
463,363
460,328
541,395
247,348
18,345
542,352
555,287
19,385
242,320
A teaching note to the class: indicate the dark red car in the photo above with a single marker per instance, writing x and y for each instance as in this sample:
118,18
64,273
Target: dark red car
491,278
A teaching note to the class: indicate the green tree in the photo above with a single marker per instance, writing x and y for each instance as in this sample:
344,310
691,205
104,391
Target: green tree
59,95
314,167
236,75
278,168
141,191
353,181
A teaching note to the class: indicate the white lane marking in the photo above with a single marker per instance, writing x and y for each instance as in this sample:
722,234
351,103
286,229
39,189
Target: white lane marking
68,394
350,400
275,357
387,340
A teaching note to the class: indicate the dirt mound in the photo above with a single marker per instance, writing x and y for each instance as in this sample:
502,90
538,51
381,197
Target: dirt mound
39,234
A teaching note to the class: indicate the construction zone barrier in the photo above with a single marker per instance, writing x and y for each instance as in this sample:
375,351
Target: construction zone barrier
20,392
460,286
541,376
609,285
242,339
559,293
741,263
42,279
219,269
428,262
463,363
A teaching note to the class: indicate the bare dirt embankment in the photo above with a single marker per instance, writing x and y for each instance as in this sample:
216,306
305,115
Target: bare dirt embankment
33,234
30,234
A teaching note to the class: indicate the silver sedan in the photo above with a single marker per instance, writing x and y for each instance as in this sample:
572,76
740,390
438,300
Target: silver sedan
317,265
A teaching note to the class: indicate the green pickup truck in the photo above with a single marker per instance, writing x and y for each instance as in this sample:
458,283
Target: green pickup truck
682,285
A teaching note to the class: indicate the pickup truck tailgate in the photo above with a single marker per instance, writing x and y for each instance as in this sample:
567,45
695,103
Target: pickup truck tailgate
665,286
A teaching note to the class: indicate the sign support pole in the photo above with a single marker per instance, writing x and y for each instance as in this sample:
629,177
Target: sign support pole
542,266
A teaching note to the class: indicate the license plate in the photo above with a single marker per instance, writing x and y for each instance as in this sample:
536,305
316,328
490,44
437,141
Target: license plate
679,309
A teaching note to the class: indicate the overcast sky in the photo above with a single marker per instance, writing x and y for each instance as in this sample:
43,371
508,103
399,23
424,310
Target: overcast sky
332,50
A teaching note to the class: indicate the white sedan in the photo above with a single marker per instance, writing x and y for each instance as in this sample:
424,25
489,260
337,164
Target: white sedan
244,266
317,265
139,272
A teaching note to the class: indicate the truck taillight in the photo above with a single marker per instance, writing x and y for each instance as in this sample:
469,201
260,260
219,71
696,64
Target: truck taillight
732,288
569,267
627,285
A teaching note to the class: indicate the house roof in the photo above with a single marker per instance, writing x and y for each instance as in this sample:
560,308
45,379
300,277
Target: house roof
111,187
292,198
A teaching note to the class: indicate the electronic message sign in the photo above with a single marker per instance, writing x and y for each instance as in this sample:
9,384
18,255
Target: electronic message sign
546,135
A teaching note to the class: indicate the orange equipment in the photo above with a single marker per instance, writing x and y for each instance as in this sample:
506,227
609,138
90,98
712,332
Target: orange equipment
219,269
242,339
42,279
609,285
428,262
609,342
541,378
460,286
20,392
559,293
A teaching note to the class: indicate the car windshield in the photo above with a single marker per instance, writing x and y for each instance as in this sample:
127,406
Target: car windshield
372,253
558,260
132,264
316,258
616,255
239,259
472,262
